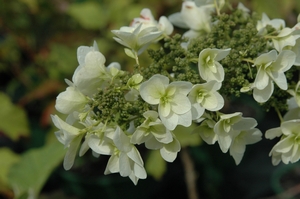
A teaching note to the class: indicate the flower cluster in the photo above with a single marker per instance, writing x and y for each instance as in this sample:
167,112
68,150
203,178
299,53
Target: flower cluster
112,111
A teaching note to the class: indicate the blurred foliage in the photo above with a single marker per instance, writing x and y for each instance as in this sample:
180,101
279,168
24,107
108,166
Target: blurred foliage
38,42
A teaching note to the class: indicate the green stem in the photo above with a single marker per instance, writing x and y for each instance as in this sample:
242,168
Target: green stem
279,114
248,60
217,7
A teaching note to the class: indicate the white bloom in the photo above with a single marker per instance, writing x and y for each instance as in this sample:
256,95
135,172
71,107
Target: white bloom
224,129
288,148
70,100
205,96
197,19
125,159
70,137
169,151
208,65
136,38
286,37
206,131
174,106
91,72
271,67
152,127
147,20
278,24
242,138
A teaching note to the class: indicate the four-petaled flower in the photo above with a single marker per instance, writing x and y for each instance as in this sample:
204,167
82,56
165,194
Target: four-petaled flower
208,65
271,67
174,106
205,96
288,148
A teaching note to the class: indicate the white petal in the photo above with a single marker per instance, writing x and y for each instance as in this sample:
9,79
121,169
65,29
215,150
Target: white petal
71,153
152,90
169,151
263,95
124,165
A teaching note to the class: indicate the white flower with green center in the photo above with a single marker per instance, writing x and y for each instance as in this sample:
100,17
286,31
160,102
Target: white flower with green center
278,24
70,137
71,100
205,96
125,158
209,66
287,149
152,127
174,107
224,129
136,39
271,68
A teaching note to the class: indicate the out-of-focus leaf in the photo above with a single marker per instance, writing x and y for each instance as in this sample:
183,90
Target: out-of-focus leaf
8,158
90,15
273,8
28,176
185,136
45,89
61,62
155,164
32,4
13,120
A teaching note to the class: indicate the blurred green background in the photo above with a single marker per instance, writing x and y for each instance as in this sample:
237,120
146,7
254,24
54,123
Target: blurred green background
38,42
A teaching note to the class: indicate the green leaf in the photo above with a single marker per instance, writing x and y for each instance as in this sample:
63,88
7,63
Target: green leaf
89,15
28,176
13,120
185,136
155,165
10,158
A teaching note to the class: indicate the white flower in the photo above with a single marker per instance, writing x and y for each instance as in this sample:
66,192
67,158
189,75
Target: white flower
152,127
70,137
70,100
224,129
125,159
271,68
206,131
136,38
147,20
197,19
91,72
288,148
286,37
208,65
278,24
169,151
241,138
245,10
174,106
205,96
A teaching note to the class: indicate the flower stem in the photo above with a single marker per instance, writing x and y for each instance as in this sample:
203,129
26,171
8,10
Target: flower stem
190,174
217,7
279,114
